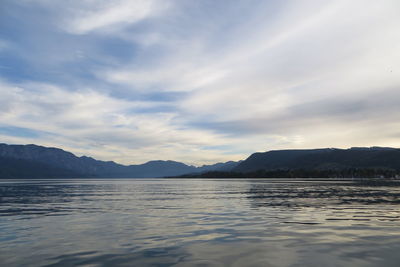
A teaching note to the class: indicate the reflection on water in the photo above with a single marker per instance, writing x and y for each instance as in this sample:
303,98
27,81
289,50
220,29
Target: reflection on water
177,222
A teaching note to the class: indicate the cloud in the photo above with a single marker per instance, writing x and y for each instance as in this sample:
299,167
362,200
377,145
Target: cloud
87,120
4,45
199,81
88,16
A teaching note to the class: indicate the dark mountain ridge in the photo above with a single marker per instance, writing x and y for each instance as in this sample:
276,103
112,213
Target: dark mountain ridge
33,161
26,161
322,159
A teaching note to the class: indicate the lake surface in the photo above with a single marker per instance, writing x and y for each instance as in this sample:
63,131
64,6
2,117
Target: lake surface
194,222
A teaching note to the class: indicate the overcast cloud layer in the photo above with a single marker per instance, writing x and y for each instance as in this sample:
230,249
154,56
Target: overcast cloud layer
199,81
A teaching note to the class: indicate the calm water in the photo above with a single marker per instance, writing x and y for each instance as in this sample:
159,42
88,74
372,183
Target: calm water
159,222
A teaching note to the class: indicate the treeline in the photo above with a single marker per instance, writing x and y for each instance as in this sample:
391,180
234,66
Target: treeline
302,173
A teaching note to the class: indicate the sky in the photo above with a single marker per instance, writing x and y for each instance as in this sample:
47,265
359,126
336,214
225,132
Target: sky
199,81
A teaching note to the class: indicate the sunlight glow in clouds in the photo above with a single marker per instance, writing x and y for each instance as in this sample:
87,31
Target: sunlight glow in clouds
199,81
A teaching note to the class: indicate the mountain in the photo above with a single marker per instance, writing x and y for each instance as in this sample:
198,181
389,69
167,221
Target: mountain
33,161
222,166
322,159
19,168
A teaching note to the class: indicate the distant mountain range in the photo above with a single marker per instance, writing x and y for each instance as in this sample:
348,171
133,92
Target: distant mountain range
32,161
322,159
326,162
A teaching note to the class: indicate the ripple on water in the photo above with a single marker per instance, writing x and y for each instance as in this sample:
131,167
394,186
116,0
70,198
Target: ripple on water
161,222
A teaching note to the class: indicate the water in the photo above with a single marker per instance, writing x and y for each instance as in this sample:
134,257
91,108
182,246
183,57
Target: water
183,222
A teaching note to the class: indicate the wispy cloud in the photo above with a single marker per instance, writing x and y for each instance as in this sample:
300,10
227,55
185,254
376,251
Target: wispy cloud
88,16
86,120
